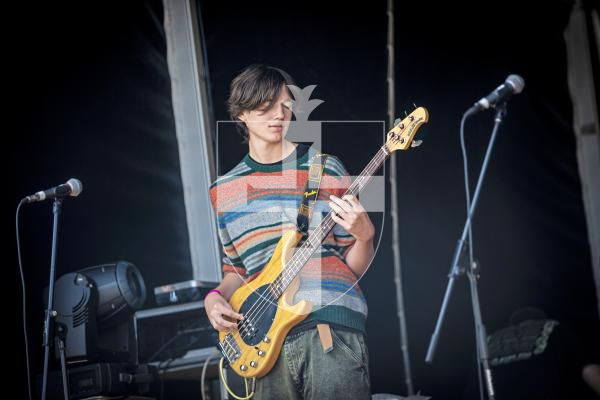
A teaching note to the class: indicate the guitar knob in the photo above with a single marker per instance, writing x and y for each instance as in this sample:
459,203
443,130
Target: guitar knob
267,340
261,353
243,367
253,364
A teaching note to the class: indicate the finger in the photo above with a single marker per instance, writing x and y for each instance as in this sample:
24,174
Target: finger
354,202
215,324
337,209
228,312
228,325
220,327
214,319
351,218
340,221
342,203
220,321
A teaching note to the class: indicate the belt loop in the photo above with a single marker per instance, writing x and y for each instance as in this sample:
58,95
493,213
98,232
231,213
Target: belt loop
325,336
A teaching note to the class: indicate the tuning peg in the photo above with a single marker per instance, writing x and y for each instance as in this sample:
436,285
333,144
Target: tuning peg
405,114
416,143
415,106
397,121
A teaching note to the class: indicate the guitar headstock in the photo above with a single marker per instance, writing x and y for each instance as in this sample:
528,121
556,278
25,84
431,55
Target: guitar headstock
401,136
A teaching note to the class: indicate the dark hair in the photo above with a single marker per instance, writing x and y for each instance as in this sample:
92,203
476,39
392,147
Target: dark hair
255,85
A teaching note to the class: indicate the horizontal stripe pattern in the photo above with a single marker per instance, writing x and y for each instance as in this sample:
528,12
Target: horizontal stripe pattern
257,203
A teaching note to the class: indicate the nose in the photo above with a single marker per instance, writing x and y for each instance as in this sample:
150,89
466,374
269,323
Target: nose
279,111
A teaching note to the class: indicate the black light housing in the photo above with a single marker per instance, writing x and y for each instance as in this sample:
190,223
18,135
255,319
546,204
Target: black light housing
90,303
121,290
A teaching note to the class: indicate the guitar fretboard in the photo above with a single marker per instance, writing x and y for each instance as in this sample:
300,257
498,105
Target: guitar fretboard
316,237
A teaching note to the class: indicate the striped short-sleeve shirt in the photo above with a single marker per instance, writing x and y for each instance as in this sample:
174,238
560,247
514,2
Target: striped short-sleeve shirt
256,204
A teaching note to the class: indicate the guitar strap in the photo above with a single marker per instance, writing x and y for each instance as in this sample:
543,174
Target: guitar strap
311,191
309,198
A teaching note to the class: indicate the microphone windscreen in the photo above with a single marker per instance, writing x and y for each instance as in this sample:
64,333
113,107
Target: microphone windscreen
516,82
76,187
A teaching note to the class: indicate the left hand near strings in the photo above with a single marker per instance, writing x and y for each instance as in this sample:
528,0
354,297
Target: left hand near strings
352,216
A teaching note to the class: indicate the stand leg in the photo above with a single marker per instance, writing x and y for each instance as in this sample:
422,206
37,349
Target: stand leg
481,336
49,315
45,375
60,342
63,367
438,326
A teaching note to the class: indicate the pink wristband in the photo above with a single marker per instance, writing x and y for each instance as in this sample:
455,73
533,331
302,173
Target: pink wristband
215,291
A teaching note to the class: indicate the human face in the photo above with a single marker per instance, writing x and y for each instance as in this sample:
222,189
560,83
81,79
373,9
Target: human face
269,125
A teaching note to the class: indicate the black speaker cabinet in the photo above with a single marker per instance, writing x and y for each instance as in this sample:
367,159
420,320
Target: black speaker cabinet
176,335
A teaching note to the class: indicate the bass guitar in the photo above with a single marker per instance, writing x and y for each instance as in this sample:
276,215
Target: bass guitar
267,302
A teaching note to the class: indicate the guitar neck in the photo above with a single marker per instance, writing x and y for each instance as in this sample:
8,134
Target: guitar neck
316,237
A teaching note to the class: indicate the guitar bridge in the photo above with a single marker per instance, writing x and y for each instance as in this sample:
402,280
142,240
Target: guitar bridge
230,348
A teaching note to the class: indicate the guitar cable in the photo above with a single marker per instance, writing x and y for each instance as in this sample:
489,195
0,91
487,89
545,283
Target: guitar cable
24,305
468,200
250,388
203,375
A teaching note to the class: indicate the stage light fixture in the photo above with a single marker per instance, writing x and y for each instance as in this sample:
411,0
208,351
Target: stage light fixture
121,290
90,303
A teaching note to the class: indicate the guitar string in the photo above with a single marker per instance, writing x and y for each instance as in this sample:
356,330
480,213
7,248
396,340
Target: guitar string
262,305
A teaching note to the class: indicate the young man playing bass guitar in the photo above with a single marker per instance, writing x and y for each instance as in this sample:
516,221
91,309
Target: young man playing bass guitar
324,356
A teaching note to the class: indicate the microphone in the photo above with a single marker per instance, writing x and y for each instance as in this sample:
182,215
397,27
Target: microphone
72,188
514,84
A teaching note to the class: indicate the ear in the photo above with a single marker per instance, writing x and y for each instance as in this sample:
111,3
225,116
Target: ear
243,116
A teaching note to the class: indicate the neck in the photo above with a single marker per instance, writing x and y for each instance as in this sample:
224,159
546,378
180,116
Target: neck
267,153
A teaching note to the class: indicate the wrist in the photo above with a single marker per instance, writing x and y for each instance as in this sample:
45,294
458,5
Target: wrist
365,240
217,291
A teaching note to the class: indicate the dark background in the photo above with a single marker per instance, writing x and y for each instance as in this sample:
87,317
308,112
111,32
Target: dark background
94,87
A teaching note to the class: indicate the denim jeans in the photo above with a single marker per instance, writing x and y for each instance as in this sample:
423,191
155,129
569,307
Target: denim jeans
304,371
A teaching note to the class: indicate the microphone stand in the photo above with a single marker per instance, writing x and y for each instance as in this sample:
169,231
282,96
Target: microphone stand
472,273
49,323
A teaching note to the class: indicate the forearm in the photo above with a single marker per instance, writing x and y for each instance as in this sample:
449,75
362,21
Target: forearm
359,256
352,216
230,283
219,311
